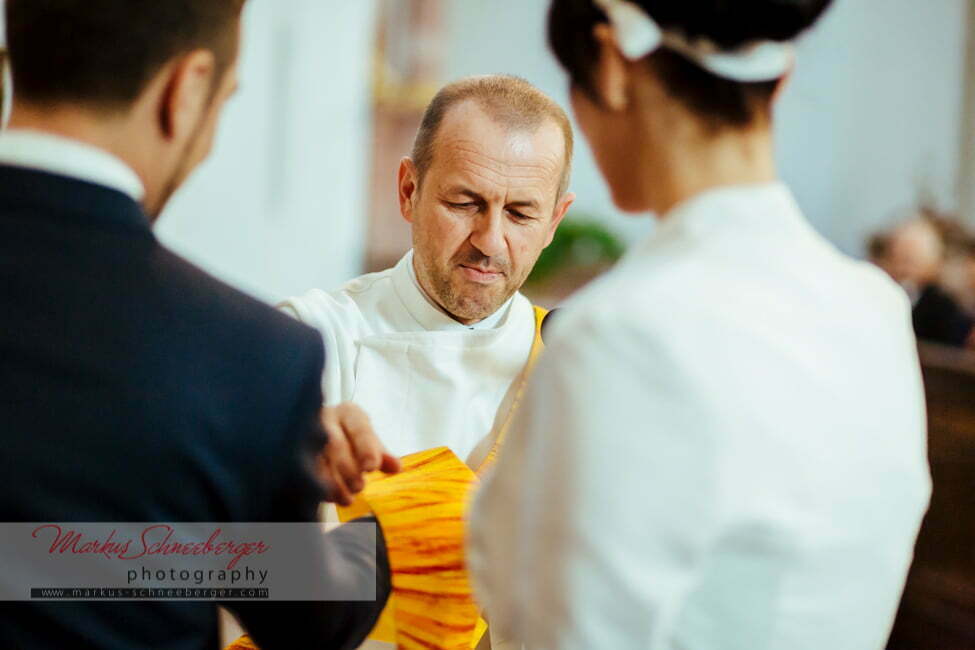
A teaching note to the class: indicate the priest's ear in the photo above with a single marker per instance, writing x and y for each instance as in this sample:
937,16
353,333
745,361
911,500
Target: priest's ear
408,184
561,207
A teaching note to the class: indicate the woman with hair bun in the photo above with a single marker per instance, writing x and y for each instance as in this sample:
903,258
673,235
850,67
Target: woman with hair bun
724,443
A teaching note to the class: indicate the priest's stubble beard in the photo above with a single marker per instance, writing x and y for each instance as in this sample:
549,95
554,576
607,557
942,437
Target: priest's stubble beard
466,300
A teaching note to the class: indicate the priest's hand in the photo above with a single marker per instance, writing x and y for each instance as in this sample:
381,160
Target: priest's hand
352,450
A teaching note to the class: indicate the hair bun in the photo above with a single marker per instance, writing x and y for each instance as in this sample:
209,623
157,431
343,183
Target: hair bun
733,23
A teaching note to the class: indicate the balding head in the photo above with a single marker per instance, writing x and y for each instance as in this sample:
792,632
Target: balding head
915,253
511,102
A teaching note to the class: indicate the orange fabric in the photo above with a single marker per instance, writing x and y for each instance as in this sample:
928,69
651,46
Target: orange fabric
422,511
243,643
536,350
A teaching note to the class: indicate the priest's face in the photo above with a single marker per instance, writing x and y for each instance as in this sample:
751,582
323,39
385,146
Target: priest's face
484,210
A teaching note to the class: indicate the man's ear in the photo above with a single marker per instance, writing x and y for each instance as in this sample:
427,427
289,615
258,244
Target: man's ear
408,187
560,209
610,75
188,90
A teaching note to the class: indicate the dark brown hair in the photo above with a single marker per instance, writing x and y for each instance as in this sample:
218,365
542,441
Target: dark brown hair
507,99
102,53
718,102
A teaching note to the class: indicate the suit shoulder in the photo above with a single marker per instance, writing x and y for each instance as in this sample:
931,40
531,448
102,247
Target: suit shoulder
228,318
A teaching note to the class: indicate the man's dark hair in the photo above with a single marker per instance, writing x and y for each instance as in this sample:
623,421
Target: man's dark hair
102,53
718,102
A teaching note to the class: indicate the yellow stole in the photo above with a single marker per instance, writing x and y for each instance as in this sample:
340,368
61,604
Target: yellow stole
422,511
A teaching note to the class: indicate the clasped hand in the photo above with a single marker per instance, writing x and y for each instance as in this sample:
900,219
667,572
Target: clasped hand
352,450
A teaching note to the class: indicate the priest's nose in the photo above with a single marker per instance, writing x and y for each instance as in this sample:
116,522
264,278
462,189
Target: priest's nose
488,234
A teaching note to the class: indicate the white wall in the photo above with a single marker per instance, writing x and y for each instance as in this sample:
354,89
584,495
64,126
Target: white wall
280,205
871,117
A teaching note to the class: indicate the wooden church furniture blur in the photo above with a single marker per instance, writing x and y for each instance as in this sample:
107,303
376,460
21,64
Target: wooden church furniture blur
937,611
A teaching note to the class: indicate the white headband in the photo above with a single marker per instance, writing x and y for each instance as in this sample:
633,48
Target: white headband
637,35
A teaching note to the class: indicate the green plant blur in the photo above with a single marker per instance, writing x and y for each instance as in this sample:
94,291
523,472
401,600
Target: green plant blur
580,241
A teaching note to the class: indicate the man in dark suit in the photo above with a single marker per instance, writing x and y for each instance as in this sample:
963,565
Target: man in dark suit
133,386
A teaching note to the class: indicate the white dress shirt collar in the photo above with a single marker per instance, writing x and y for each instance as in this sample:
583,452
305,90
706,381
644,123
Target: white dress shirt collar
426,311
66,157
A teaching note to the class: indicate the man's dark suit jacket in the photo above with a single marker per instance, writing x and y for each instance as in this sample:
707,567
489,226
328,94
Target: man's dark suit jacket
135,387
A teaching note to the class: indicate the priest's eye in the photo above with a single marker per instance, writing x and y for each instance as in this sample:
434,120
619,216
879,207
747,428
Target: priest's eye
518,216
462,206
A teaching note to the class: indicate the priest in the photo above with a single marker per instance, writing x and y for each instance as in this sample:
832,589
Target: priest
431,347
436,350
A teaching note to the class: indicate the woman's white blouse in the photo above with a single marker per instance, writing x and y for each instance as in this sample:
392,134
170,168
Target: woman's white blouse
723,446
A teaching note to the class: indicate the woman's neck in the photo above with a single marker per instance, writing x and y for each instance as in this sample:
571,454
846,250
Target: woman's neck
699,162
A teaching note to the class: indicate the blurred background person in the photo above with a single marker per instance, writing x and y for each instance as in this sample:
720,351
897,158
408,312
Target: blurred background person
958,240
695,462
915,255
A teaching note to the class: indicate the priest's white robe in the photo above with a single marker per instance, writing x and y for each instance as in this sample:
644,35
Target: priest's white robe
424,379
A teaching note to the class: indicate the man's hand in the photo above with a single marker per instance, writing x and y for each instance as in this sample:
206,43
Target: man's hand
351,451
